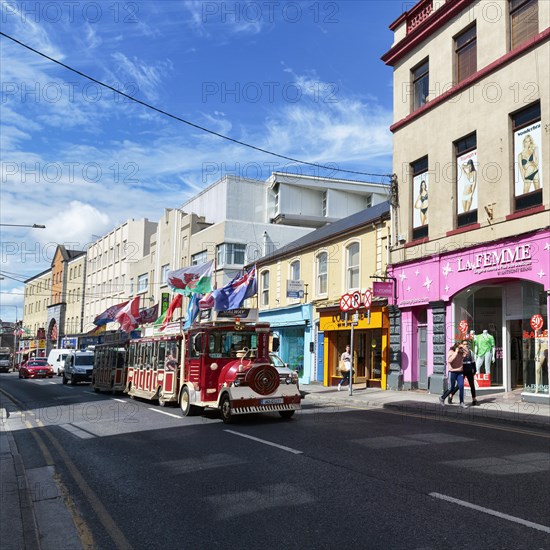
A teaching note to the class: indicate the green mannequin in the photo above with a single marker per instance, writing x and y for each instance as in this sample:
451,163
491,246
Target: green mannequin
484,350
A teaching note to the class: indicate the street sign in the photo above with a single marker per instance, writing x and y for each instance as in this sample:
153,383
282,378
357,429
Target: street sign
356,300
367,298
345,302
355,318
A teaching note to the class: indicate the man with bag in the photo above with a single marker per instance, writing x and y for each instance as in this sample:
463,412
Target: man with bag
345,367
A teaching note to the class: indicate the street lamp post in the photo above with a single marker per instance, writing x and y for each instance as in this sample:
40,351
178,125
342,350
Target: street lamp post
32,226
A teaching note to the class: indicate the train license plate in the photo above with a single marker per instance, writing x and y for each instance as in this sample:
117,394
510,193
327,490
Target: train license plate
272,401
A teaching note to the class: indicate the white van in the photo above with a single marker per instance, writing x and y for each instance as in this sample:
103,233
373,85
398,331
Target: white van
56,360
78,367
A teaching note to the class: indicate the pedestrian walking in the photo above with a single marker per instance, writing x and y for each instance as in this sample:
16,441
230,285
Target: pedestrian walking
345,367
469,370
455,359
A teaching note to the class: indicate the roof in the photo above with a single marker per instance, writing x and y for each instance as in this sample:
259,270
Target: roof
345,225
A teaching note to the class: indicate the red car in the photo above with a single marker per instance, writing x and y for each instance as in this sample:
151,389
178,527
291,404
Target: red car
36,368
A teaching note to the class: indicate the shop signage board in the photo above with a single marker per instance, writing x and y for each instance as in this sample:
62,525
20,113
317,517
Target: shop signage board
382,289
295,289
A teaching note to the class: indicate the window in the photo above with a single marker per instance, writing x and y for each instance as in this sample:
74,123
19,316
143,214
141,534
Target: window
352,266
368,201
231,253
420,198
466,180
295,271
276,197
143,282
164,274
131,291
324,204
322,273
524,21
526,125
199,258
265,288
421,80
466,54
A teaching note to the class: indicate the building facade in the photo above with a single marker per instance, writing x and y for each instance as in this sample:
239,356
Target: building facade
299,291
470,247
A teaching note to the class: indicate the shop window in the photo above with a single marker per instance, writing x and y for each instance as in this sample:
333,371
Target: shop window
466,54
322,273
352,266
527,138
420,84
265,288
420,198
524,21
466,180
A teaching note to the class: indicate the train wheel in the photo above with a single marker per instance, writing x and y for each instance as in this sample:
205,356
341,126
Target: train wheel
225,409
286,414
185,402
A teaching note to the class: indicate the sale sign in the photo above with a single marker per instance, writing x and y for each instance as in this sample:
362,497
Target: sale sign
463,326
537,322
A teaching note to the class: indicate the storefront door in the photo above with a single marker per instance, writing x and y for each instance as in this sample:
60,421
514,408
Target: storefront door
422,357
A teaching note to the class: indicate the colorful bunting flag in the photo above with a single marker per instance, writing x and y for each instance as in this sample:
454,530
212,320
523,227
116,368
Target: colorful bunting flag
128,316
109,315
233,294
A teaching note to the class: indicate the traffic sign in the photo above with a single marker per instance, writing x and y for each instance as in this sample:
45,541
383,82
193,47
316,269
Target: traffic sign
356,300
367,298
345,302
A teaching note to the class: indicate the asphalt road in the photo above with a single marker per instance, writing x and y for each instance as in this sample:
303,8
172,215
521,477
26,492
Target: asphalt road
141,476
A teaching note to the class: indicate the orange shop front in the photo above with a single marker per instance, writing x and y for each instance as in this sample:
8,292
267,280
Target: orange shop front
370,345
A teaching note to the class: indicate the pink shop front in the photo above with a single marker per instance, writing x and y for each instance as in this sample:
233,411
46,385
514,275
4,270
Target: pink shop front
497,295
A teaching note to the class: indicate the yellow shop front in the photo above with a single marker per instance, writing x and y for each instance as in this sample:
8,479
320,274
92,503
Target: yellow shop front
370,345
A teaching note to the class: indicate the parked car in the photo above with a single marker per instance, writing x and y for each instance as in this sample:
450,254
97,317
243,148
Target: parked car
56,359
283,368
36,368
78,367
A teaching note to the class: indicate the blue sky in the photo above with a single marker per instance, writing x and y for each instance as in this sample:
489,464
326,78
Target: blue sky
302,79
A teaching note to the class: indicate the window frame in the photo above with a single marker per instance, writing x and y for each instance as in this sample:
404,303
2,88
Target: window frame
516,9
461,49
264,282
292,270
350,268
321,276
417,78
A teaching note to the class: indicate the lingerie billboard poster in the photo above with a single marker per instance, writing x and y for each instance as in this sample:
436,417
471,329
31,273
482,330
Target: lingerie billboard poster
466,182
420,200
528,160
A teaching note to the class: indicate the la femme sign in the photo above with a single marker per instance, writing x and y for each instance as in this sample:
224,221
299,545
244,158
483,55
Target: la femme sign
496,259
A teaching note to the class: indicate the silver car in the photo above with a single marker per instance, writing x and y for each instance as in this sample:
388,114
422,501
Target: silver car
283,368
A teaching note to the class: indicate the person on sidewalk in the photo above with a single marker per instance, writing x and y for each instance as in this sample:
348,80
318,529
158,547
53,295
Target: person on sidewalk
345,367
469,370
454,361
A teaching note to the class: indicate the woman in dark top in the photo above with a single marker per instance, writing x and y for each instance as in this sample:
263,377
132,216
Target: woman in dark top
469,370
455,358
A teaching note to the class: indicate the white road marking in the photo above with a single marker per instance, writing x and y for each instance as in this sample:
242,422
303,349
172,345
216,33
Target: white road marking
82,434
50,382
288,449
164,412
530,524
119,400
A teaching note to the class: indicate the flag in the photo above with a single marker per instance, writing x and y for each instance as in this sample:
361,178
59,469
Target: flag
109,315
128,316
207,302
53,335
167,317
233,294
196,279
97,330
148,315
192,310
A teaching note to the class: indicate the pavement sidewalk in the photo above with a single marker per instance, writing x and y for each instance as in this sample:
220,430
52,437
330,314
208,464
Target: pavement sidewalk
504,407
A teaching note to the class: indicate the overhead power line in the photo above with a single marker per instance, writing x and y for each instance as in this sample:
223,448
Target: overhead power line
184,121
